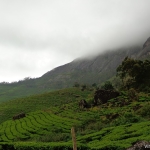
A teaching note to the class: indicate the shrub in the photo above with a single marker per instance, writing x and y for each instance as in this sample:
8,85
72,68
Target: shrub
133,95
127,118
107,86
54,137
144,111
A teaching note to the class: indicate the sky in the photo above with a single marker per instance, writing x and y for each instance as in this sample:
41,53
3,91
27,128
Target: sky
39,35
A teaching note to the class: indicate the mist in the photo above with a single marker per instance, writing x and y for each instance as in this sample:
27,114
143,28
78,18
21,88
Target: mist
39,35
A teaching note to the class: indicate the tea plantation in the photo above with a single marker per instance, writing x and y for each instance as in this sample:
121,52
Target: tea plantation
114,125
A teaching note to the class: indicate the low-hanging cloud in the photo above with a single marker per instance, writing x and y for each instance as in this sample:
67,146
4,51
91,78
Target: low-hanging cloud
36,36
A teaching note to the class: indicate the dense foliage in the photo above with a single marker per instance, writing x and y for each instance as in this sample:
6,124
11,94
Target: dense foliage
134,73
107,86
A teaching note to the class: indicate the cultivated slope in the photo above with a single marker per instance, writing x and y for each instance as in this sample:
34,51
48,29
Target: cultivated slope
114,125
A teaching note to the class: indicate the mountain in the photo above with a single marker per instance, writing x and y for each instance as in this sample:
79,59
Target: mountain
88,71
82,70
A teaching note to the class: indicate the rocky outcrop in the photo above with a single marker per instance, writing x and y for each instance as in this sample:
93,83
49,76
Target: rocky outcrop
147,43
140,145
102,96
19,116
83,104
145,52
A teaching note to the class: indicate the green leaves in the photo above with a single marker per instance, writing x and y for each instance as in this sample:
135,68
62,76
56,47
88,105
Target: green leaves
134,72
107,86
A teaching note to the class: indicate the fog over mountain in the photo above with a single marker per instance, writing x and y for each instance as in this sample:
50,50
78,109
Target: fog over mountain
39,35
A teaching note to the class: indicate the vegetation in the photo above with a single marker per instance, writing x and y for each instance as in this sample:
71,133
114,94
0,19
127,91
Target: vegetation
135,74
107,86
42,102
39,126
117,124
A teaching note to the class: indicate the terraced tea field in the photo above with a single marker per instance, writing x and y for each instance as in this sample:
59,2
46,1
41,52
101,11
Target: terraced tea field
111,138
119,137
34,125
50,116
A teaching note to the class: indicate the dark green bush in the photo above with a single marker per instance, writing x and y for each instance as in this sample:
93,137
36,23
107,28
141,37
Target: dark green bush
107,86
127,118
54,137
40,146
144,111
133,95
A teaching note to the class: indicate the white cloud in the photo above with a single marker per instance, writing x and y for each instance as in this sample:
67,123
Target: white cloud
16,64
35,35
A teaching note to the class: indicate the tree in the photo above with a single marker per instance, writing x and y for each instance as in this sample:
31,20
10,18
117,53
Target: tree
83,87
94,85
107,86
134,73
76,84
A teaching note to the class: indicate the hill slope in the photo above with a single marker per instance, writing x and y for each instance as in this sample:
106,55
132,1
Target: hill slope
108,126
83,70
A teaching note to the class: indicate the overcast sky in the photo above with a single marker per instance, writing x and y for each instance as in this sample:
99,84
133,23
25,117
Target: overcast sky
39,35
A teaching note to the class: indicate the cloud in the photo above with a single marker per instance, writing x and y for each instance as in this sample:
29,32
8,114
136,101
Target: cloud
35,35
20,64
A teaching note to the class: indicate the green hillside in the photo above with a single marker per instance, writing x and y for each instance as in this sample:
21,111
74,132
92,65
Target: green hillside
41,102
9,91
50,116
